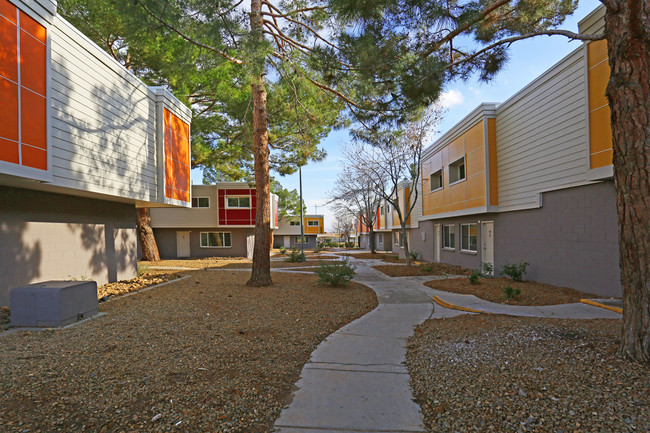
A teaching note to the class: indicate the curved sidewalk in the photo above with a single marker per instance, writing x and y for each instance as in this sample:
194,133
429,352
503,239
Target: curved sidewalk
356,380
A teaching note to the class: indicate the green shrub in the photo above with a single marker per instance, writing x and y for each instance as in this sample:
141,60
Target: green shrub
283,250
426,267
336,274
318,248
511,293
414,255
516,271
473,279
349,245
294,256
486,269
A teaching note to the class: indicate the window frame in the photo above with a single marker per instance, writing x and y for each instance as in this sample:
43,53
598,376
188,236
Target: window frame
238,197
294,223
455,166
198,200
309,223
442,179
298,240
216,246
469,237
451,231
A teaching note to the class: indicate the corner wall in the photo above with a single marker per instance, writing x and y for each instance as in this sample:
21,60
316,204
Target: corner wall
46,236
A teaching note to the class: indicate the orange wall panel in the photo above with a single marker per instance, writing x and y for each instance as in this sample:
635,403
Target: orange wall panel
8,10
9,151
8,110
33,112
34,157
492,156
32,63
177,157
600,131
32,27
8,50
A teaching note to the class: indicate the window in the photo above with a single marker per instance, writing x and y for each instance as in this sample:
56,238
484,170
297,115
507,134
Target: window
468,238
436,180
457,170
312,223
216,240
200,202
381,210
396,238
380,239
298,240
401,241
449,237
294,223
241,202
387,208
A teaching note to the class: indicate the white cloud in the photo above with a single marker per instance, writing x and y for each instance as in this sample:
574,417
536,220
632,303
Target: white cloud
450,98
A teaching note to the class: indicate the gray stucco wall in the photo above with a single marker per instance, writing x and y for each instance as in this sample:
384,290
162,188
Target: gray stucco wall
46,236
572,240
166,240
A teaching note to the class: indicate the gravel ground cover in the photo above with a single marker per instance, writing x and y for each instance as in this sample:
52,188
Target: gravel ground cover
491,289
203,354
417,270
202,263
502,373
126,286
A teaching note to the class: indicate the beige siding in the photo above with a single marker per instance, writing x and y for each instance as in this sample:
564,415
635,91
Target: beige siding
190,217
416,213
103,121
542,135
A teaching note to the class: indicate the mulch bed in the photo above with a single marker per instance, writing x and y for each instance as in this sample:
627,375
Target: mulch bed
491,289
206,353
502,373
417,270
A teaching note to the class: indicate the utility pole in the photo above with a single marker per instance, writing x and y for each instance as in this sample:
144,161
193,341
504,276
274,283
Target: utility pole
302,216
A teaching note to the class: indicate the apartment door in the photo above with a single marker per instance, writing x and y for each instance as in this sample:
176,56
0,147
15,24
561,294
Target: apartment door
287,241
182,244
437,240
487,242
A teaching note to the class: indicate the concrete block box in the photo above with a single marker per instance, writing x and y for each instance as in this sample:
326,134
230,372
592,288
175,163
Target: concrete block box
53,303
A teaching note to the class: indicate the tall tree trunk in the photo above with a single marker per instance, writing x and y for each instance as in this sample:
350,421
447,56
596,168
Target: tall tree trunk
627,26
372,238
407,254
261,273
145,236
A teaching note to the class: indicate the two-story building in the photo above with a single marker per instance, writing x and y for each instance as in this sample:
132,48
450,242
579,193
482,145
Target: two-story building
288,233
529,179
220,223
381,229
83,142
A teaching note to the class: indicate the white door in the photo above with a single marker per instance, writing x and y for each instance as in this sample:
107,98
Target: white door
182,244
487,242
437,240
287,241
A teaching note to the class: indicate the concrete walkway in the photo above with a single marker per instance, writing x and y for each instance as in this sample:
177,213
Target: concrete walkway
357,381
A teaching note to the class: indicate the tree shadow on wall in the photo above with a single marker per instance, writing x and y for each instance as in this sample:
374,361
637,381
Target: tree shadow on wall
21,261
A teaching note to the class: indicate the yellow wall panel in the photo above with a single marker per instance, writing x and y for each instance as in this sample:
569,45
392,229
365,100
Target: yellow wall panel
475,187
598,78
475,162
456,149
600,130
474,138
596,52
458,206
477,202
602,159
492,155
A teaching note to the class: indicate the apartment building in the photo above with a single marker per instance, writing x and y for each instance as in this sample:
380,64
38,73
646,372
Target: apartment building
220,223
82,144
382,229
529,179
288,233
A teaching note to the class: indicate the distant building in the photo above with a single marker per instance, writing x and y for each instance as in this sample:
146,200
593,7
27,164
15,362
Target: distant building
288,233
220,223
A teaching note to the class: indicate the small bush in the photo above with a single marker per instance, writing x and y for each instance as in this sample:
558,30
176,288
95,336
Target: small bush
337,274
516,271
473,279
349,245
486,269
294,256
414,255
283,250
511,293
318,248
426,267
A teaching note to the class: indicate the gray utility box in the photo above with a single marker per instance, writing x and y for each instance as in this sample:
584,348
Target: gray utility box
53,303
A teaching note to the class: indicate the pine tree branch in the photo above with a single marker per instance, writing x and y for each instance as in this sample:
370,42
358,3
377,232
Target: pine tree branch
314,32
189,39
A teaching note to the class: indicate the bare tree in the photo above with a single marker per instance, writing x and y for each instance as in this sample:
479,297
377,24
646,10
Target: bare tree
355,192
344,225
393,165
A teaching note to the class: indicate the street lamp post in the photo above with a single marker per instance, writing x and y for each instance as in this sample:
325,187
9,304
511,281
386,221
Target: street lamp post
302,217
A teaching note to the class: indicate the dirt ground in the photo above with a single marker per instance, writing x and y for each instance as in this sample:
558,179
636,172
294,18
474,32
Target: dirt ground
491,289
418,270
513,374
205,353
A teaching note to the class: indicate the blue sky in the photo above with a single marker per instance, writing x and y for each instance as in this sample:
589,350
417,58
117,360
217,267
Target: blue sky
528,60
